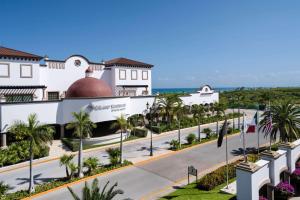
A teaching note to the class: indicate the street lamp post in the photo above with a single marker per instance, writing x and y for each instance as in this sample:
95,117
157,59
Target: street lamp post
150,122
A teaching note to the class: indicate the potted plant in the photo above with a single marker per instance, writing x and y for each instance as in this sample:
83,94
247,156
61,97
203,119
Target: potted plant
284,190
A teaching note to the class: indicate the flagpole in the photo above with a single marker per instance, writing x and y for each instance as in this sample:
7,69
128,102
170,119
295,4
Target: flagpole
256,128
227,178
270,131
244,145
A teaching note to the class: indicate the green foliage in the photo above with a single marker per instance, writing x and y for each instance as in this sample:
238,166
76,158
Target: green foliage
66,160
93,192
190,138
59,182
217,177
114,155
252,98
156,129
82,124
19,152
3,188
174,144
285,121
71,144
121,123
91,163
208,132
139,132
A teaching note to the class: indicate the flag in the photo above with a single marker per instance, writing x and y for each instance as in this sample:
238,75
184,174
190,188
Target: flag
268,127
222,132
252,126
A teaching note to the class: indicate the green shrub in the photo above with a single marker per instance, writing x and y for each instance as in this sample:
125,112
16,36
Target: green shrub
73,145
190,138
91,163
208,132
19,152
139,132
3,188
114,155
174,144
217,177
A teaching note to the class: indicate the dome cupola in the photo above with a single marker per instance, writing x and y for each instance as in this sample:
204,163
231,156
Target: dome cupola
89,87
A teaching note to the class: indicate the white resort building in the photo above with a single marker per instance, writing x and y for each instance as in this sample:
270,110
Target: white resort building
53,89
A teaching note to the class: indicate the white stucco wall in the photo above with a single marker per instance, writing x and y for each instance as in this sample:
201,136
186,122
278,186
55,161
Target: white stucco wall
46,112
59,80
14,73
249,183
277,166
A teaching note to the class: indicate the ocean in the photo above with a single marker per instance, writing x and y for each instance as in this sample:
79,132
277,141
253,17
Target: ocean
187,90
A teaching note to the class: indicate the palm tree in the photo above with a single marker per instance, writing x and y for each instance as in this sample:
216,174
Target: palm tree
91,163
123,124
66,160
198,113
220,110
83,127
179,112
167,103
94,193
38,134
285,121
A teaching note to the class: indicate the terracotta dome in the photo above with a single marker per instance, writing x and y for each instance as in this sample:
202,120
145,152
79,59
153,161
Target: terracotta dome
89,87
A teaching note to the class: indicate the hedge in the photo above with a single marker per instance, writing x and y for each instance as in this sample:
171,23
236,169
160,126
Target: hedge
73,145
217,177
139,132
19,152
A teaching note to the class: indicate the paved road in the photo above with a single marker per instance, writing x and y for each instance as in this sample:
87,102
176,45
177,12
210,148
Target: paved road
160,171
143,179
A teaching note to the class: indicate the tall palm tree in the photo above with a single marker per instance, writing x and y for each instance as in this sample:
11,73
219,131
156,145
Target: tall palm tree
285,121
220,110
83,127
123,124
168,102
179,111
94,193
66,160
38,134
198,113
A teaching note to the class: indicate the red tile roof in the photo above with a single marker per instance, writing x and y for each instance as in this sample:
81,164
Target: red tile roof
126,62
12,53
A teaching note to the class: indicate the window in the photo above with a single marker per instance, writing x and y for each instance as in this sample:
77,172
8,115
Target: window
26,71
122,74
145,75
4,70
19,98
133,74
53,96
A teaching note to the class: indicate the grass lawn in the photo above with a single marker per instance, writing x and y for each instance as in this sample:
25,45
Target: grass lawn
190,192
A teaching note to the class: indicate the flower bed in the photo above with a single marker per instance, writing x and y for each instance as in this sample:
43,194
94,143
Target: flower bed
284,190
217,177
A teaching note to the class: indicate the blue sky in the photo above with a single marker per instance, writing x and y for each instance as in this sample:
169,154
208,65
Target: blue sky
190,42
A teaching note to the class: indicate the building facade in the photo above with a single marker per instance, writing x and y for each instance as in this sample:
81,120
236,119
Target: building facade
56,88
26,77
